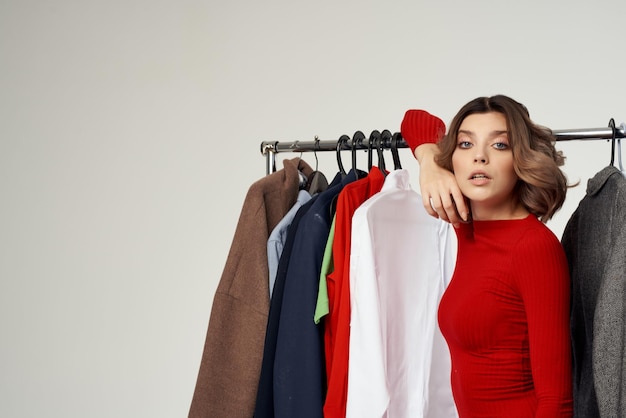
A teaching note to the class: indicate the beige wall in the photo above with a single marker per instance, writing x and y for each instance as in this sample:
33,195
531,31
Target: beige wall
130,132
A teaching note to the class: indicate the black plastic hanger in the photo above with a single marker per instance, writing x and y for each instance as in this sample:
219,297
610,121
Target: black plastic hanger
386,139
370,149
620,166
343,139
612,126
380,144
394,151
357,139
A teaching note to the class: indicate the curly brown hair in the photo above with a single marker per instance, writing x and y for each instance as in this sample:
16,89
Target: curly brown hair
542,186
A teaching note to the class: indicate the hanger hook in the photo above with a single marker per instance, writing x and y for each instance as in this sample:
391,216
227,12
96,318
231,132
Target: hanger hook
612,126
622,126
619,155
353,152
380,145
342,139
357,139
316,147
370,148
394,151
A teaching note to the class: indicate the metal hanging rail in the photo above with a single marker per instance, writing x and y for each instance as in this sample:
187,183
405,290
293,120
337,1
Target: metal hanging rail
271,148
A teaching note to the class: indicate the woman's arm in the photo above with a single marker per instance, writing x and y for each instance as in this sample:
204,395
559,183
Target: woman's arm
440,192
543,280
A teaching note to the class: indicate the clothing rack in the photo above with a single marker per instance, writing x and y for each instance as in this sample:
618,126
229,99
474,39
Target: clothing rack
361,142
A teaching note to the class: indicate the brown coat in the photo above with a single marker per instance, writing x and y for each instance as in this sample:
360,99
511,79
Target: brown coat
233,351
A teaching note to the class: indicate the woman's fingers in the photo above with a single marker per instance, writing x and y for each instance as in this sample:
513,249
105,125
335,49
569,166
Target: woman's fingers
428,203
440,191
443,199
443,205
460,203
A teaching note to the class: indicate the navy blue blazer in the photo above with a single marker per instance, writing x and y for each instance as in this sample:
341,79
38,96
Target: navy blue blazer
299,380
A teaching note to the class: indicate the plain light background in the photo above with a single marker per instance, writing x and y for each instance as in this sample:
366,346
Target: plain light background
130,132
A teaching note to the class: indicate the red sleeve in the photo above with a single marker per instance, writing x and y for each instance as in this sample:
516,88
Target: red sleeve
420,127
543,281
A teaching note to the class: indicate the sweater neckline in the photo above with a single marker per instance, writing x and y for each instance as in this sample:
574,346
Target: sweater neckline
497,224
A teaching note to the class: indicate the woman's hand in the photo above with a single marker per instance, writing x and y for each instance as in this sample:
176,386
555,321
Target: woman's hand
440,191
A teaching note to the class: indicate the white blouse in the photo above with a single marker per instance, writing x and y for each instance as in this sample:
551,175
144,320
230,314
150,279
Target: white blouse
401,261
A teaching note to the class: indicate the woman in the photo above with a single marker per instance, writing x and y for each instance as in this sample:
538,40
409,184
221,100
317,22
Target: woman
496,176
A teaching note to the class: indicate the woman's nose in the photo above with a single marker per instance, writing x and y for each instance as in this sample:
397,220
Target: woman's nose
480,158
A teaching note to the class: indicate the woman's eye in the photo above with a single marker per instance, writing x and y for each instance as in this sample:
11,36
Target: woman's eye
464,144
501,145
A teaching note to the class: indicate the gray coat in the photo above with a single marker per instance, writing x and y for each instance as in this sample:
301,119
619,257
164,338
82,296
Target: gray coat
595,244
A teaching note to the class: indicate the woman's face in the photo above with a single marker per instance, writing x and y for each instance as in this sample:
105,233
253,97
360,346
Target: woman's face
483,166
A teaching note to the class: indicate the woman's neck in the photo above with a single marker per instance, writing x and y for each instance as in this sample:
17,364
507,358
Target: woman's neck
482,212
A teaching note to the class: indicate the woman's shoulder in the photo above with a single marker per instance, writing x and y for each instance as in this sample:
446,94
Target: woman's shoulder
537,237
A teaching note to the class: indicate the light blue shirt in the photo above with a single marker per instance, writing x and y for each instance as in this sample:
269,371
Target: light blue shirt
278,236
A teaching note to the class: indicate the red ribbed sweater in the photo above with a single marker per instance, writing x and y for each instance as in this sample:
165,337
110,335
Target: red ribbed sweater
505,317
